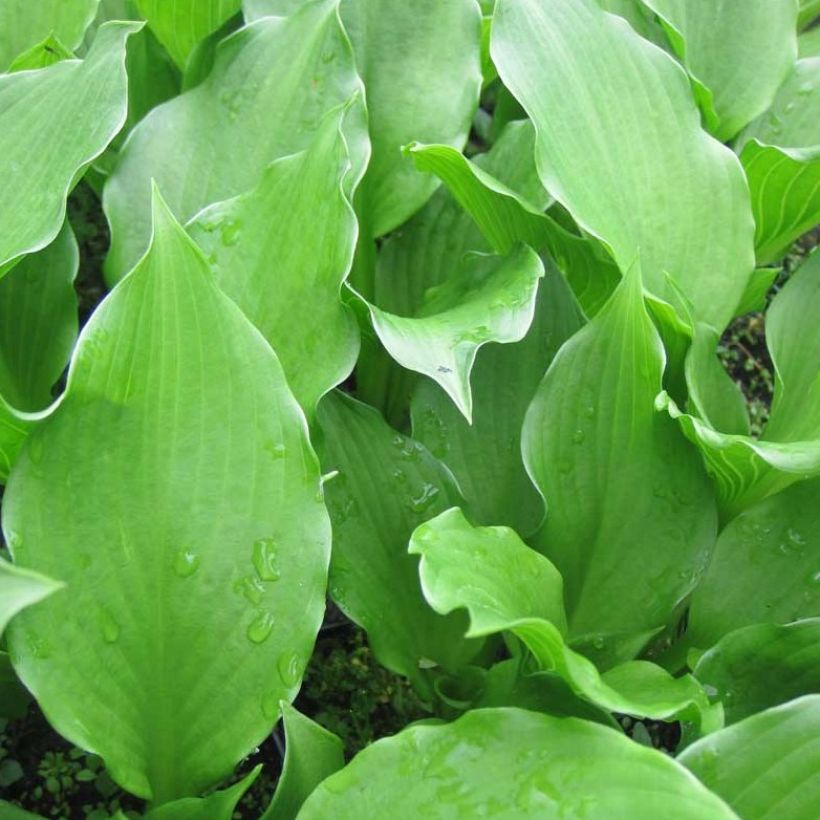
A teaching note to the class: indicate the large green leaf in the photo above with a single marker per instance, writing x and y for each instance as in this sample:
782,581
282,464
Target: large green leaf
764,569
53,122
270,87
178,422
626,495
759,666
738,53
767,766
512,764
311,754
619,144
488,299
780,152
38,322
219,805
24,23
21,588
513,588
387,485
180,25
485,456
282,250
420,63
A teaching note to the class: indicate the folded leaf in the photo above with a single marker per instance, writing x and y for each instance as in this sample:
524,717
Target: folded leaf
767,765
21,588
311,754
387,485
217,806
270,87
764,665
485,456
626,495
739,52
522,594
43,148
180,25
14,427
512,763
764,569
43,54
223,505
282,250
489,299
630,162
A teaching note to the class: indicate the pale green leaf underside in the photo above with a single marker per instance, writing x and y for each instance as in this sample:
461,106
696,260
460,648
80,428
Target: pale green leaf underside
488,299
387,485
630,161
282,250
760,666
767,766
20,588
53,123
510,763
530,607
178,422
740,52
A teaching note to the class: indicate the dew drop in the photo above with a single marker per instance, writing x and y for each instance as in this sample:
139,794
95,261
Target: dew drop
186,563
35,449
260,627
424,498
230,233
251,588
276,450
108,626
266,560
578,437
290,668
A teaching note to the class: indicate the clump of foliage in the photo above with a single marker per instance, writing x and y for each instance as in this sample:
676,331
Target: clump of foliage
431,308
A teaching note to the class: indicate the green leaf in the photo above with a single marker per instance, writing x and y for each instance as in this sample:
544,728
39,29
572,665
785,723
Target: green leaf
626,495
764,569
630,161
14,427
513,764
764,665
421,66
266,96
528,603
45,53
21,588
217,806
180,25
224,502
809,12
639,16
808,43
387,485
53,123
38,322
14,699
282,250
488,299
23,24
311,754
757,289
780,152
12,812
739,53
505,218
485,456
767,765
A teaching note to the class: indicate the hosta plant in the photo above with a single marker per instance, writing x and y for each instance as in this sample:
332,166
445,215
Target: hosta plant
416,308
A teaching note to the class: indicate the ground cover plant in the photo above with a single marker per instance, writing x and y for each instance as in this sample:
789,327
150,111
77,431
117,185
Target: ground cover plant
433,426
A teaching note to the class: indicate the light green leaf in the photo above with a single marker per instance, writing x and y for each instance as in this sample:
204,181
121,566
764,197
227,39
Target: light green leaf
224,502
485,456
639,16
626,495
739,52
270,87
629,161
180,25
764,569
488,299
53,123
764,665
311,754
217,806
21,588
505,218
780,152
754,299
512,764
387,485
282,250
529,605
808,43
38,322
767,766
14,427
42,55
809,12
24,23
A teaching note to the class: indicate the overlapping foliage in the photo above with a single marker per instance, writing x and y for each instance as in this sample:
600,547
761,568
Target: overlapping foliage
464,382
